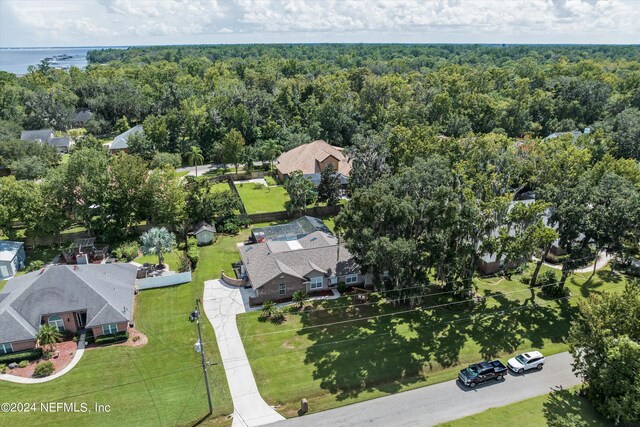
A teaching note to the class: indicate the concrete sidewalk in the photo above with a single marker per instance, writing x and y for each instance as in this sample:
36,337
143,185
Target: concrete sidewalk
70,366
221,304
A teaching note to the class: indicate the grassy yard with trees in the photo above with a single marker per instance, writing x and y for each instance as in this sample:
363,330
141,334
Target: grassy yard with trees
560,407
328,348
260,199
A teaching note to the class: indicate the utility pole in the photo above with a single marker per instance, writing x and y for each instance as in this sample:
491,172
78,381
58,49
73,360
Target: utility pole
204,363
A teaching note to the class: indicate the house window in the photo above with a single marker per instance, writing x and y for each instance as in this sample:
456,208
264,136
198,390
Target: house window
282,288
316,283
56,321
351,279
6,348
110,328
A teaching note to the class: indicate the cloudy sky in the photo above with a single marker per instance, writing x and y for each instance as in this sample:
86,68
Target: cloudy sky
30,23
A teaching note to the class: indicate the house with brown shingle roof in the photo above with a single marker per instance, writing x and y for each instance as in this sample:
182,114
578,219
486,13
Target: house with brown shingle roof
312,159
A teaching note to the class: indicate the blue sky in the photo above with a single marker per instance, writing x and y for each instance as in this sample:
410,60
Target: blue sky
30,23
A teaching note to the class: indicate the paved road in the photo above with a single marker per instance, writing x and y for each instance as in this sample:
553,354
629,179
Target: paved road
447,401
222,303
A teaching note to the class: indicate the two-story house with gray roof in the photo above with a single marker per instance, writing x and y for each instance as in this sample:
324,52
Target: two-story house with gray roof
70,297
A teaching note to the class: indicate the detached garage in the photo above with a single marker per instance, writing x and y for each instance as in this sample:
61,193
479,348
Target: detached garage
11,258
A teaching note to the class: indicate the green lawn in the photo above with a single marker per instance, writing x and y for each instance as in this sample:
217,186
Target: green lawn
559,408
159,384
181,174
2,283
367,357
220,186
260,199
271,181
171,259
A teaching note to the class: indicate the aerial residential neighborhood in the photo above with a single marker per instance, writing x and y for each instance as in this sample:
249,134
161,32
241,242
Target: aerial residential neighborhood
381,213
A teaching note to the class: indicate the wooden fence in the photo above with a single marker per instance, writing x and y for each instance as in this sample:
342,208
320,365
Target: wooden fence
319,211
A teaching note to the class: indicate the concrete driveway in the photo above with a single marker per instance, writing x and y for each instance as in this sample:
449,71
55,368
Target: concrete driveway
221,304
447,401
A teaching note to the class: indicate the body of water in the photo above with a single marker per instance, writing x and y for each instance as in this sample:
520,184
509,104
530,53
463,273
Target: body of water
18,60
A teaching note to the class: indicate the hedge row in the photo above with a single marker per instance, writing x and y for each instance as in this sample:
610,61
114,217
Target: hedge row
19,356
111,338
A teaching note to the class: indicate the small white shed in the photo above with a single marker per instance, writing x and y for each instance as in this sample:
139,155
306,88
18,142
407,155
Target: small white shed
204,232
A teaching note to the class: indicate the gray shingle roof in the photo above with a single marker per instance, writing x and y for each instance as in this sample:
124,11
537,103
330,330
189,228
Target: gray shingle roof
61,141
203,226
120,141
105,291
40,135
318,251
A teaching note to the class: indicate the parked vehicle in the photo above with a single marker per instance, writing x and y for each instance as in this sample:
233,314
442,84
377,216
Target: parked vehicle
524,362
481,372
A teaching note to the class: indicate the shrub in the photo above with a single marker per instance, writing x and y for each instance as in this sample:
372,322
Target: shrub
548,282
526,279
112,338
33,354
3,368
34,265
230,227
126,251
268,308
552,258
23,364
342,287
192,241
44,369
160,160
185,263
193,253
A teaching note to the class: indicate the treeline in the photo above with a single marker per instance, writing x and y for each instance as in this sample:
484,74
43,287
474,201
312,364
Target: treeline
288,95
109,194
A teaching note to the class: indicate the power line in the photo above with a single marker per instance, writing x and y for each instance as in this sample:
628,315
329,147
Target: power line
401,312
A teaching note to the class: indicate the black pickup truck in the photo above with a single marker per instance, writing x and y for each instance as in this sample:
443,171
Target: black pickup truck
481,372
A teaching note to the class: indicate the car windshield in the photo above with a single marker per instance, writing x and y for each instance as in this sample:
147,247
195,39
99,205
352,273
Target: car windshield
472,370
520,358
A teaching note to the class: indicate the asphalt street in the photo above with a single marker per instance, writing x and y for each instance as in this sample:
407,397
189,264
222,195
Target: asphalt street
446,401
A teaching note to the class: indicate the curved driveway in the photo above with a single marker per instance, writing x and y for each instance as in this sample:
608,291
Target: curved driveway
446,401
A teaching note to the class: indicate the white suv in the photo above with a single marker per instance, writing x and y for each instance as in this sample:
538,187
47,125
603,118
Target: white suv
524,362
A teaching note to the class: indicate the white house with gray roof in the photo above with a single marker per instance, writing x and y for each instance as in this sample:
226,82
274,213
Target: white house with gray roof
70,297
46,136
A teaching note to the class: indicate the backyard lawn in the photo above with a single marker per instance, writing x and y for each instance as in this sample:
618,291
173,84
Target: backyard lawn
160,384
260,199
171,259
553,409
368,355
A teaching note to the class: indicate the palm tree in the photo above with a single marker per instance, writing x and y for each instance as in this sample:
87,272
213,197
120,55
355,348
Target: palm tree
48,335
195,157
300,298
270,150
268,308
157,241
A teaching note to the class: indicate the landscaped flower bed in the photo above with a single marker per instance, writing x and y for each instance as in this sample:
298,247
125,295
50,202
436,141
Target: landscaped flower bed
112,338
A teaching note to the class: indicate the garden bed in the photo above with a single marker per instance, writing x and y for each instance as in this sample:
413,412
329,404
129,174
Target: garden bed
65,350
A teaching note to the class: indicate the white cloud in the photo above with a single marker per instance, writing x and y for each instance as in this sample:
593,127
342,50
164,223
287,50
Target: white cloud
83,22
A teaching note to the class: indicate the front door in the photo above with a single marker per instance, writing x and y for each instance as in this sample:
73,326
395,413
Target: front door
81,319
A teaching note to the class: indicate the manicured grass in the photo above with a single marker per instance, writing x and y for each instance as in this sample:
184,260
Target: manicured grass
159,384
260,199
181,174
171,259
221,186
369,355
270,181
553,409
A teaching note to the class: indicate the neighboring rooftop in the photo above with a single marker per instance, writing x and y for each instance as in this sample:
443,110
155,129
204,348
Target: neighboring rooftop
40,135
308,157
203,226
293,230
105,291
9,249
120,142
